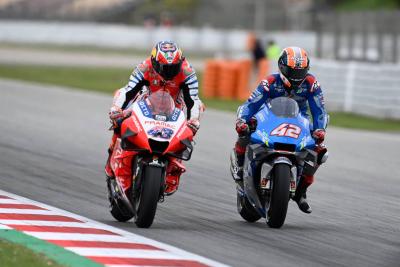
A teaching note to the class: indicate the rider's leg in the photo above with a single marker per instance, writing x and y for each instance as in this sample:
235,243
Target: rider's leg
237,158
300,195
108,170
307,178
174,171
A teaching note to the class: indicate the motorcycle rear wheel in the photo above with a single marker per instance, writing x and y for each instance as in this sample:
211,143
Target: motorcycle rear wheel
279,200
117,208
246,210
149,195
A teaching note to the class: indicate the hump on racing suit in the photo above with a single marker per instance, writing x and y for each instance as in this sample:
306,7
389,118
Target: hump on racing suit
273,86
183,87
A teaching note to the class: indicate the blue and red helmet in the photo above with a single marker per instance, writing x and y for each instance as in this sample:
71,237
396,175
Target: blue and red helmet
294,65
167,58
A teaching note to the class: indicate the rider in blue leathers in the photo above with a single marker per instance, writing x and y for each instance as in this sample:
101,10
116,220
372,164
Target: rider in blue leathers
293,80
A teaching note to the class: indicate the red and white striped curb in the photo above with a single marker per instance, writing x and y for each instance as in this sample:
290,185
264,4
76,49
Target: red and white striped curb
99,242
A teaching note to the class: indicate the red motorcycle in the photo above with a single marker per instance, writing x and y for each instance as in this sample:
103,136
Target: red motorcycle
152,138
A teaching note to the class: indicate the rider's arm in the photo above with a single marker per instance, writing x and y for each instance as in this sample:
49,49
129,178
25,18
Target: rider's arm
135,84
190,91
255,101
317,105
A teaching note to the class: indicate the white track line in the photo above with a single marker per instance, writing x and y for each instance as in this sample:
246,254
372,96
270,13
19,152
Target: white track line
48,223
127,253
2,226
9,201
79,237
27,211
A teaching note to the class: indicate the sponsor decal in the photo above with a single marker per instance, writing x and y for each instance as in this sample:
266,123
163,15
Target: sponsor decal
188,70
137,124
160,117
315,86
286,129
167,47
299,61
175,114
181,131
265,85
161,132
143,67
264,136
256,96
160,123
143,107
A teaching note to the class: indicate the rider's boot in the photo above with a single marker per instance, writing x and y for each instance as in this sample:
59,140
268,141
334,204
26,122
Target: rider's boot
174,171
237,160
300,196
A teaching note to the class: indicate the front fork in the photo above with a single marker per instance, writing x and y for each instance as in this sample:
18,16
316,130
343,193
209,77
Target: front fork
139,166
266,175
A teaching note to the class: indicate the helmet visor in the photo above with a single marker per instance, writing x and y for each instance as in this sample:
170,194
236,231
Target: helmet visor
293,74
169,71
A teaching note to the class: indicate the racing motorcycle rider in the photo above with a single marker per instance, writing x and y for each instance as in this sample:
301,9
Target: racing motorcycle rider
166,69
293,80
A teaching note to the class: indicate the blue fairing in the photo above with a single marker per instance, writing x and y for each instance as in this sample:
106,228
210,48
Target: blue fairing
267,122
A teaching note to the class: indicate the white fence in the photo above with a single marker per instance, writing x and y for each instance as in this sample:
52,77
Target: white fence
124,36
362,88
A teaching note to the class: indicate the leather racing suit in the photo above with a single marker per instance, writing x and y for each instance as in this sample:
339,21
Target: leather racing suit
307,95
184,90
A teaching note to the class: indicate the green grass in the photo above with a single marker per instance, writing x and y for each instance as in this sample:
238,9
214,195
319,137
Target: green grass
357,5
107,80
12,255
349,120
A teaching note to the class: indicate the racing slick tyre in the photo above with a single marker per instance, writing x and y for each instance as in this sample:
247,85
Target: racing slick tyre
279,200
246,210
117,207
119,213
146,204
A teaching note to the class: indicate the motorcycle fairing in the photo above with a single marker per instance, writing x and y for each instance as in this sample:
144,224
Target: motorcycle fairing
267,122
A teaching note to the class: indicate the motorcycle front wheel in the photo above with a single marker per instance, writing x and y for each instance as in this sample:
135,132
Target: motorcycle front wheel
279,200
146,202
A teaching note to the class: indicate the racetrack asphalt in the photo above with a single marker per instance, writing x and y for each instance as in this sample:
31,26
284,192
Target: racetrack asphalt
53,145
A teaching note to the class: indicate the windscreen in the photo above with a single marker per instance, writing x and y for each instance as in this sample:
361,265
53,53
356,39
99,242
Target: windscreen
284,107
161,104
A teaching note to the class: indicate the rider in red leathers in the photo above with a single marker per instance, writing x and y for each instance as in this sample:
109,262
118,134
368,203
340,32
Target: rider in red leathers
166,69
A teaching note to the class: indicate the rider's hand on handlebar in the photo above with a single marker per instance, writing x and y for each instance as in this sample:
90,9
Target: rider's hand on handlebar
194,125
319,135
242,128
117,115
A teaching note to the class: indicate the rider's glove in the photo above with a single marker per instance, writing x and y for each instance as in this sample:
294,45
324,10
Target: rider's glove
117,115
242,128
194,125
319,135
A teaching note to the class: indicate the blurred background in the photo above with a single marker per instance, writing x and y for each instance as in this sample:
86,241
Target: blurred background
94,44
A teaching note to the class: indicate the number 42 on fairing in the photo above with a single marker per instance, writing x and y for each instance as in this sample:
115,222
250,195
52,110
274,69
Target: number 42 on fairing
286,129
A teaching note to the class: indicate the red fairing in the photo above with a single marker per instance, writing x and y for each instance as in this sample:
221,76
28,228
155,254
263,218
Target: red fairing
175,144
140,139
121,161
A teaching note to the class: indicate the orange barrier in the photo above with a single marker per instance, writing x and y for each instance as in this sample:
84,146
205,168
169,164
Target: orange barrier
231,79
210,78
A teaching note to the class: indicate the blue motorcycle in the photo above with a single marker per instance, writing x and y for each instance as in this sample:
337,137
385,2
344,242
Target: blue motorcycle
281,147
